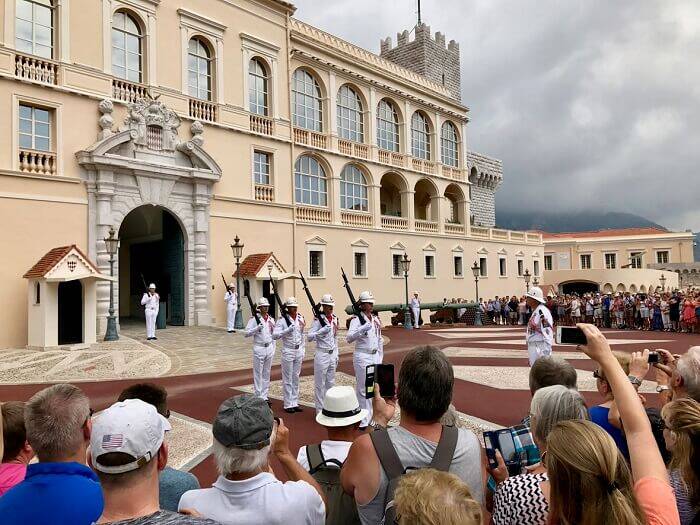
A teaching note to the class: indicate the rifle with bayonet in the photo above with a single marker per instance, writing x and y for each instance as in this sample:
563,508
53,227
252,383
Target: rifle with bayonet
353,302
283,308
225,284
145,286
314,306
246,292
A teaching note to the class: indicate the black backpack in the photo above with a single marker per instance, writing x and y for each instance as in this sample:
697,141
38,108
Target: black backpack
340,507
394,469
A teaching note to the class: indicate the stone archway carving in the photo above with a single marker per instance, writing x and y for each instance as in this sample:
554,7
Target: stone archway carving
146,162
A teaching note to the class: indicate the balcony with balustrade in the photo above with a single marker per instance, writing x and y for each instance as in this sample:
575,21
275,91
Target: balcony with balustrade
264,193
37,162
313,214
202,110
36,69
262,125
310,138
129,92
355,219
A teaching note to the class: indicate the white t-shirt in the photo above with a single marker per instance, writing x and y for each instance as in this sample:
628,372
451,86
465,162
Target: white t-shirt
330,449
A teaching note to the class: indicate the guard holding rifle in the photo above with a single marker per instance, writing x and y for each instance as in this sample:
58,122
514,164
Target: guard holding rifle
151,303
366,332
231,300
324,330
290,329
261,327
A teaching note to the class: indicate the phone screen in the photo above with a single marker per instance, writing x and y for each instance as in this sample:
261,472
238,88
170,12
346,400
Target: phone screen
570,335
369,381
653,357
506,446
490,451
385,379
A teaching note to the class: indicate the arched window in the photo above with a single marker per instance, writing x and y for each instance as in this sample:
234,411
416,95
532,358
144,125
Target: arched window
126,47
310,182
420,136
349,108
353,189
257,87
306,101
199,61
387,126
34,27
450,145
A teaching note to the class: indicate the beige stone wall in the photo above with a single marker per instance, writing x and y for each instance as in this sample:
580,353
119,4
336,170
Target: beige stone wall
625,280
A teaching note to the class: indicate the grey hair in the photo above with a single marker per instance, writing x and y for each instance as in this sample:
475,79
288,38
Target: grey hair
54,418
552,404
234,459
688,367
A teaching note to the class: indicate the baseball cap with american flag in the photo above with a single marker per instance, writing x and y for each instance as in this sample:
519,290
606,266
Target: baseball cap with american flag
132,427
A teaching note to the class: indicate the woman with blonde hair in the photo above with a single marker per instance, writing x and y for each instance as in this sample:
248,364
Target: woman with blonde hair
590,482
431,497
682,436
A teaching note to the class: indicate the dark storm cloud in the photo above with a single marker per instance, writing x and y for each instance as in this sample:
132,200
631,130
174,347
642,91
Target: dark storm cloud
590,105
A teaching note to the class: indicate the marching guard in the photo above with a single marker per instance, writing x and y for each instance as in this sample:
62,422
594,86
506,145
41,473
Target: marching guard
261,328
231,300
151,303
366,333
540,331
326,357
292,337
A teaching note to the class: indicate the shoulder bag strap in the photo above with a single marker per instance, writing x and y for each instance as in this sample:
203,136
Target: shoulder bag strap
445,450
386,453
315,456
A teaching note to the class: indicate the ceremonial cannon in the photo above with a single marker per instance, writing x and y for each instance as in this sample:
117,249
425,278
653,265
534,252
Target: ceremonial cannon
444,312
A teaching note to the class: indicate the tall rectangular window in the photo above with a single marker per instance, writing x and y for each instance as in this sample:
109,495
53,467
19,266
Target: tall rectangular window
483,269
536,268
261,168
662,257
430,266
34,128
502,267
520,266
396,265
316,263
585,261
636,260
34,27
548,263
459,271
360,262
610,261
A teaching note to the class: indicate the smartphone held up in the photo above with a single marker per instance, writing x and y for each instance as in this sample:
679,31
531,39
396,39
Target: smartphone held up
570,335
382,375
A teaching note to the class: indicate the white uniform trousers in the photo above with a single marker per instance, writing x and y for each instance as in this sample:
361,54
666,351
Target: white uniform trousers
231,318
262,362
360,361
151,315
291,368
537,349
324,375
416,316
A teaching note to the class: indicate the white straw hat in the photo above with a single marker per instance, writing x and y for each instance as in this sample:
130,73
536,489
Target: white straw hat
340,408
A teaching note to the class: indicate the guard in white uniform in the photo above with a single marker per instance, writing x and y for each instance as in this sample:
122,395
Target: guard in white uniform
368,351
231,300
263,348
292,337
415,308
540,332
326,357
151,302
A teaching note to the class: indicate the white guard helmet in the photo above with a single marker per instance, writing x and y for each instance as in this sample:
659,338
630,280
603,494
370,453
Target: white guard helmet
151,286
291,301
536,294
366,297
263,302
328,300
231,285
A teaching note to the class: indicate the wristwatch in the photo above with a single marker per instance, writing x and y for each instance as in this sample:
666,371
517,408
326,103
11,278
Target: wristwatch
662,388
635,380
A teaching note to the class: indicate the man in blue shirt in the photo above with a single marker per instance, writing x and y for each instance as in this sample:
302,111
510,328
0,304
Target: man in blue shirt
60,489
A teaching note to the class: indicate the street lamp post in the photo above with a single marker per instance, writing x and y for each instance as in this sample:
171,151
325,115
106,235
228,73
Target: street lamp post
535,282
237,249
476,270
662,280
111,245
526,276
405,266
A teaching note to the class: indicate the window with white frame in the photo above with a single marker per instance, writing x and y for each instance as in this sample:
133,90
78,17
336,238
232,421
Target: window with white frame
420,136
387,126
458,261
310,184
257,87
349,111
35,128
536,268
610,261
449,142
502,267
315,263
662,257
548,263
585,261
262,168
429,265
199,69
353,189
396,265
483,267
359,264
521,264
306,101
126,47
34,27
636,260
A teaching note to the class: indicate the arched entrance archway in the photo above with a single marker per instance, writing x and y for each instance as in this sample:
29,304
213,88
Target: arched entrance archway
579,287
152,250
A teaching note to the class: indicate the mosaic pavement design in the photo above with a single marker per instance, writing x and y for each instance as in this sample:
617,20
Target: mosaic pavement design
189,442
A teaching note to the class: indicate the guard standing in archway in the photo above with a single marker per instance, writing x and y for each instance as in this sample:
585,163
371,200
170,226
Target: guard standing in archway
151,302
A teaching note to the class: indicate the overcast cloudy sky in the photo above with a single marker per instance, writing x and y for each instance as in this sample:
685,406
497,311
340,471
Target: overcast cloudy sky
590,105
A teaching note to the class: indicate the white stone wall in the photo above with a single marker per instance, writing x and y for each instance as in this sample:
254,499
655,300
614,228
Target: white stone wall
485,175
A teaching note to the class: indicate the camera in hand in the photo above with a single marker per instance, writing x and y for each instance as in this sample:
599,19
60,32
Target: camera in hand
383,375
653,357
570,335
502,440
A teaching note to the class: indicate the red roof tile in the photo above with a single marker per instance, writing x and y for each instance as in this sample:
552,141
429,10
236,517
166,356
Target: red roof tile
615,232
252,264
51,259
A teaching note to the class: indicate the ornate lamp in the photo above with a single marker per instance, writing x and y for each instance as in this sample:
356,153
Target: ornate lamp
405,266
237,249
476,270
111,245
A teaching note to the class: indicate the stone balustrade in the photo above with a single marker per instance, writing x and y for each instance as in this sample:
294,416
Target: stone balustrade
454,229
453,173
264,193
394,223
35,68
40,162
422,165
262,125
426,226
310,138
202,110
125,91
311,214
356,219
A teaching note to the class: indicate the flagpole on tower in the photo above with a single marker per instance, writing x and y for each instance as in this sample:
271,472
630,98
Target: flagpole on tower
419,20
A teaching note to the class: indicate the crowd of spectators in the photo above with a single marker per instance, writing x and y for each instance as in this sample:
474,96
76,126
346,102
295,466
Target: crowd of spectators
617,462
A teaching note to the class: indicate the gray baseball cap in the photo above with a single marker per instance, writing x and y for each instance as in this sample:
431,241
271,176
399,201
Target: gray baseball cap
244,421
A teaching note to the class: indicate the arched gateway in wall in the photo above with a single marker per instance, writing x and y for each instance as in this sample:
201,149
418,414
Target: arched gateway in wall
145,167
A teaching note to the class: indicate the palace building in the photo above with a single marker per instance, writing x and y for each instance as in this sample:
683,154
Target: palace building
183,125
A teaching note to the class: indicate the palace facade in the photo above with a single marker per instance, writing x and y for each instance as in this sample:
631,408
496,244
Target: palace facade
183,125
